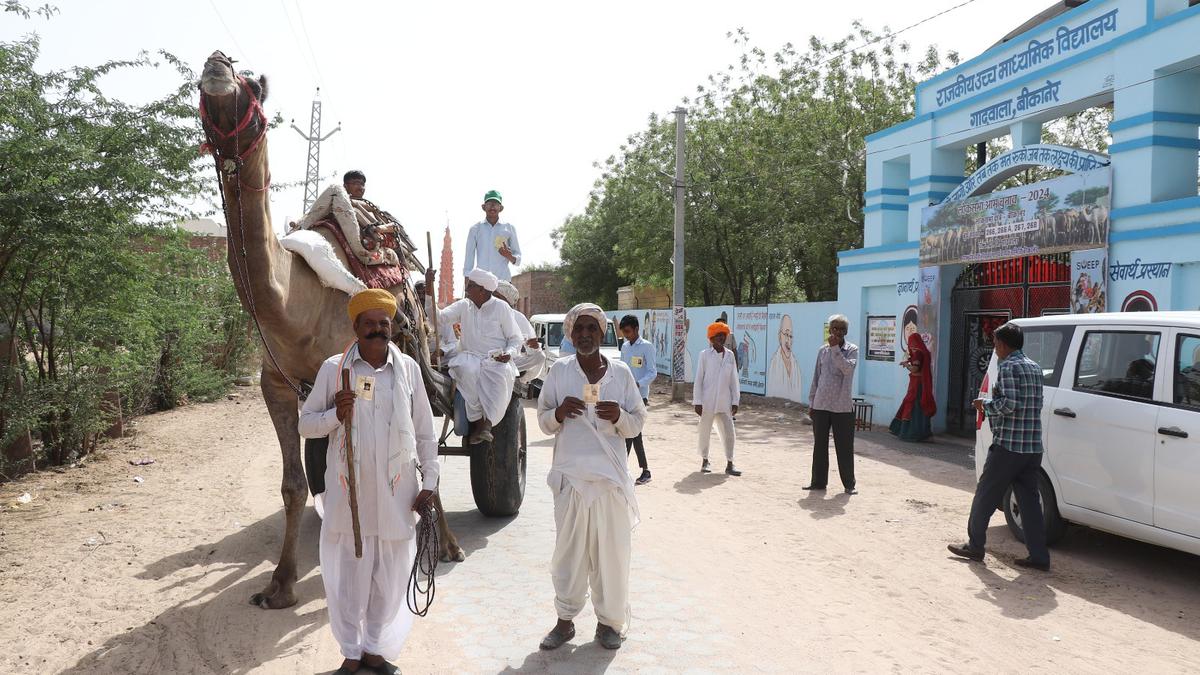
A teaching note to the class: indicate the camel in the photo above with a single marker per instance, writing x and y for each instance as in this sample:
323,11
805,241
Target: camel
301,322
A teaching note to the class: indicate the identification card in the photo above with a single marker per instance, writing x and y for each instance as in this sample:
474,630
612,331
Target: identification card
637,361
501,242
364,387
591,394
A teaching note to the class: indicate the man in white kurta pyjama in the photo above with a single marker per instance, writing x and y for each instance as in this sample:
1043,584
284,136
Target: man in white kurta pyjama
482,366
531,360
392,430
715,395
595,510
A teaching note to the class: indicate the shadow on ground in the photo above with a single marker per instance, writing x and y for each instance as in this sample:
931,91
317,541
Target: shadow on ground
216,629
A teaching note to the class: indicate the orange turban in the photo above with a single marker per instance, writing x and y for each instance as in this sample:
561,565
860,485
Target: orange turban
717,328
374,298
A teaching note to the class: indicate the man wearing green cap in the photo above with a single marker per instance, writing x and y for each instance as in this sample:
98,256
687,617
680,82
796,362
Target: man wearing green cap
491,244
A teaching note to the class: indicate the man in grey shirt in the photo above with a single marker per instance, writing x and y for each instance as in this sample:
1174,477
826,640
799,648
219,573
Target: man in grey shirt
831,407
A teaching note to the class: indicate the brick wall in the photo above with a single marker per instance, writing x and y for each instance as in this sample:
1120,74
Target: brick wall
539,293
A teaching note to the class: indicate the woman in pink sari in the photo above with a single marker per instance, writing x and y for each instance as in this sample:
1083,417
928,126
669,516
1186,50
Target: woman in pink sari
912,421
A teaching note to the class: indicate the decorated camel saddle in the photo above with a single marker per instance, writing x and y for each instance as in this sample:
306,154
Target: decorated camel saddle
352,244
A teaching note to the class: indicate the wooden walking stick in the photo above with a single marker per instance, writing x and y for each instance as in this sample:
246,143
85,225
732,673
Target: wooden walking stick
437,342
350,477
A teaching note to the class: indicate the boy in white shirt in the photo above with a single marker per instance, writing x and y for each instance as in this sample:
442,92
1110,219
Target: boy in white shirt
715,395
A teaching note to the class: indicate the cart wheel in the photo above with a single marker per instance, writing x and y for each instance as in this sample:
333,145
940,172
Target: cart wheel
498,467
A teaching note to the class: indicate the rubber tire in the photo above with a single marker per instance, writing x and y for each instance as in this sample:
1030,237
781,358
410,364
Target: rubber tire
1056,527
498,467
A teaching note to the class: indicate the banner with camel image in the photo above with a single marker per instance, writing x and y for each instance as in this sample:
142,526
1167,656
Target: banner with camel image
1061,214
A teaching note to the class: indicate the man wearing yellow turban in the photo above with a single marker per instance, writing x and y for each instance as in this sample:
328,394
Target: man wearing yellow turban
392,426
716,395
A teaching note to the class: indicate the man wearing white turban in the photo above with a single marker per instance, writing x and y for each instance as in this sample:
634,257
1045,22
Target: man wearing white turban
591,404
531,360
482,367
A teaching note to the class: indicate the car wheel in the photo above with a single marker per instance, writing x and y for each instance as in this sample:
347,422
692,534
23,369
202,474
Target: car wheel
1056,527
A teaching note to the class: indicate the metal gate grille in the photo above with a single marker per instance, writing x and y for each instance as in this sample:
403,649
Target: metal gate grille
986,295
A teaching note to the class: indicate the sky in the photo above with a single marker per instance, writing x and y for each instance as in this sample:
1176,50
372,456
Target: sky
441,102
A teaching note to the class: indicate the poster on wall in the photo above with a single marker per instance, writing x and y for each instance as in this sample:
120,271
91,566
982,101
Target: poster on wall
785,379
881,338
750,342
679,343
1052,216
1089,281
908,326
928,301
696,322
657,329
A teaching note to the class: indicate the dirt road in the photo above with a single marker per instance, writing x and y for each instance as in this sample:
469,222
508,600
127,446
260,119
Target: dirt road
102,574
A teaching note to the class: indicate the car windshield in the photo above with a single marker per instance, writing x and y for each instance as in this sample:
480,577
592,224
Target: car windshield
554,335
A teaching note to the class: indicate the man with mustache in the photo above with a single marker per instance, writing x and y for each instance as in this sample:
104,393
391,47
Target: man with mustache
482,366
391,426
591,405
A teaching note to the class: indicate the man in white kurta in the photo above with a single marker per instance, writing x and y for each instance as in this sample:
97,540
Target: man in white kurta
783,376
591,404
715,395
392,432
531,360
482,366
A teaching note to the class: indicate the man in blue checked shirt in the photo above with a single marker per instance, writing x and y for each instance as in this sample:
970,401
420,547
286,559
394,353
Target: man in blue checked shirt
638,354
1015,413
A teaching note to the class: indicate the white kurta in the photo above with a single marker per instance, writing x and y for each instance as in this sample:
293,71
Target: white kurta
485,383
783,384
595,510
530,361
391,434
716,391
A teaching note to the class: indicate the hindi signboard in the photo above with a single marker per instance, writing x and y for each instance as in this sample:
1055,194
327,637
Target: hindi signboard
1061,214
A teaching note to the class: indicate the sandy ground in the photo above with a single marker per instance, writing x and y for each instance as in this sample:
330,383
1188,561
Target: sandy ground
101,574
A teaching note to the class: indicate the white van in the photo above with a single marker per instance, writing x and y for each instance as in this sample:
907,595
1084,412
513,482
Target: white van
1120,424
549,330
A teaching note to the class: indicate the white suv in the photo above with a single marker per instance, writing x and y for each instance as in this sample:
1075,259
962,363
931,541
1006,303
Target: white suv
1120,425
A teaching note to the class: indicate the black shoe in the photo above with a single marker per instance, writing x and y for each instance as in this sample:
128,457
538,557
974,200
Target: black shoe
385,668
1033,564
557,638
966,551
608,637
705,468
813,487
731,471
644,478
851,491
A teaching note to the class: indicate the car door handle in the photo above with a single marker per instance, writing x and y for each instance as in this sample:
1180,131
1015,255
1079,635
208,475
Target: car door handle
1065,412
1173,431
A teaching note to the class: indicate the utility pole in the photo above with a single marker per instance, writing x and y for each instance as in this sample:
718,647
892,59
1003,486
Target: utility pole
678,353
312,176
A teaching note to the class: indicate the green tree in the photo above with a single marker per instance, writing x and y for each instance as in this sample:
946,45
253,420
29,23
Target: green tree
775,172
102,295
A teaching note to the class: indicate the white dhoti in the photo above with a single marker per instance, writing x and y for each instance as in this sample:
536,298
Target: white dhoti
368,610
530,364
592,549
485,383
724,429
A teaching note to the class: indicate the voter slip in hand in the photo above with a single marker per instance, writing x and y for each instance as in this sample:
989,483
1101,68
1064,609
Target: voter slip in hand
591,394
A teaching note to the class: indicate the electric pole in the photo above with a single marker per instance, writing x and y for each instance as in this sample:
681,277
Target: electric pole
678,354
312,176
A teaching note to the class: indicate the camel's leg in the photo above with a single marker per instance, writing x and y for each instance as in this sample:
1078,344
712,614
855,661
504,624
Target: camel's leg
451,551
282,404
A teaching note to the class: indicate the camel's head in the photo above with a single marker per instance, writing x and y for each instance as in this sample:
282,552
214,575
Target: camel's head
230,108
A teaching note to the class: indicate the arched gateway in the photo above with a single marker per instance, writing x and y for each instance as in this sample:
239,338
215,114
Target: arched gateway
1118,232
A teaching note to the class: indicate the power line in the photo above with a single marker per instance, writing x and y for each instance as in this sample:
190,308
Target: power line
895,33
296,40
245,55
